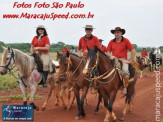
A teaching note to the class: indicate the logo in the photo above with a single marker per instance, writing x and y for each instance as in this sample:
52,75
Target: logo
17,112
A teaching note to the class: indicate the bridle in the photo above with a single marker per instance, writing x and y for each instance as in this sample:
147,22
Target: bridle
68,72
94,72
9,62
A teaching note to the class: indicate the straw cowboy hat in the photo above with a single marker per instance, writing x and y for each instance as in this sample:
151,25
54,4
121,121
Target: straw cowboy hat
118,29
41,26
89,26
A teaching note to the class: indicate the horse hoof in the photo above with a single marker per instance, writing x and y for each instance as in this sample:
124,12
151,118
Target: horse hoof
106,120
56,104
68,109
77,117
37,109
121,119
43,109
129,112
115,120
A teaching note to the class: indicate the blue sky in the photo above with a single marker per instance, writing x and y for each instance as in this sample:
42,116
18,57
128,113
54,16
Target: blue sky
142,20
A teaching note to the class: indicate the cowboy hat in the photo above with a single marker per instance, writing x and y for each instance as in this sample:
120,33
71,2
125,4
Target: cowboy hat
118,29
41,26
89,26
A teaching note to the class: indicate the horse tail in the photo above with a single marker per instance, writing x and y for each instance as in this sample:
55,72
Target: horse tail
130,92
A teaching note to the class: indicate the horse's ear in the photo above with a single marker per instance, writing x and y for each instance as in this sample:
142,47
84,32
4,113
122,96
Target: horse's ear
96,49
3,47
9,48
58,55
88,48
67,54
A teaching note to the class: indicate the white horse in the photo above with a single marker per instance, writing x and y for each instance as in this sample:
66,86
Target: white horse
28,75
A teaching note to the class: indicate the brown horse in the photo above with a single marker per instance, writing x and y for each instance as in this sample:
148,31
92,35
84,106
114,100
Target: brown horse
107,80
143,65
71,67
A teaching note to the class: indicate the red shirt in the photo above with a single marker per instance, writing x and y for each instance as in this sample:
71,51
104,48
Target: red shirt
103,49
144,54
64,50
43,41
120,49
91,43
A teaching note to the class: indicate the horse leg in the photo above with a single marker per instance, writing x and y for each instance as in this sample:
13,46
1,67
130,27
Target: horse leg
141,74
24,91
98,104
72,102
77,95
86,101
68,97
56,93
61,96
33,91
45,103
84,93
105,98
110,105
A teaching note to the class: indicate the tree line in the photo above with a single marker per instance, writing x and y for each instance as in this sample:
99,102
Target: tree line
57,47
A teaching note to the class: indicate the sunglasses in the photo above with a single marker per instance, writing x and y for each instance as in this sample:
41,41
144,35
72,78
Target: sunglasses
88,29
40,28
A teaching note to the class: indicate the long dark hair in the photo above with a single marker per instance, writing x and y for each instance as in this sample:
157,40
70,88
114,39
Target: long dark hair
45,32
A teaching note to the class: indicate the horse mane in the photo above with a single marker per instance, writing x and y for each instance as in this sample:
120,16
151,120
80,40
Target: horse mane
24,60
64,55
107,57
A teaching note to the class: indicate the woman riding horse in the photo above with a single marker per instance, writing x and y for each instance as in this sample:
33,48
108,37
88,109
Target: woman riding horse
41,44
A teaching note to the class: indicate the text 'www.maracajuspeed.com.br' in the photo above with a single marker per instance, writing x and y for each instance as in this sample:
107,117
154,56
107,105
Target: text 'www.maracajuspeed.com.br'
52,16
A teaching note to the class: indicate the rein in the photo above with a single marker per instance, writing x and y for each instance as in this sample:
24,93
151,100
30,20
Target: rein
7,65
68,68
107,73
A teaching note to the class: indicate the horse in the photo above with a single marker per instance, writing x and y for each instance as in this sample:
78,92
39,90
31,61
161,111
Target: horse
106,79
142,65
71,67
28,75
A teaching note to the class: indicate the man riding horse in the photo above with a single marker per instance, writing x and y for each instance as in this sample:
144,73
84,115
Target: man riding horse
102,47
40,45
88,40
117,49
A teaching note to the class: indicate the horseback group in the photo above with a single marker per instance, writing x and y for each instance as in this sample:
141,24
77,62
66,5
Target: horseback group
104,69
148,61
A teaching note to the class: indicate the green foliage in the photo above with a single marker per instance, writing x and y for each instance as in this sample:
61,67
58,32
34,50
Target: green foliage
21,96
25,47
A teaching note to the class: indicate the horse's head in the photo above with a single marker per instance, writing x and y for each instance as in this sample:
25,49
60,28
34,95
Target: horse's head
7,60
91,64
63,66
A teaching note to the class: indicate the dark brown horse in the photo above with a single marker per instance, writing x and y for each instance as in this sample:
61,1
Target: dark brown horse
71,67
107,80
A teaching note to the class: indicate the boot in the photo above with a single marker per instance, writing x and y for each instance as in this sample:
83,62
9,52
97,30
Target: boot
45,75
125,85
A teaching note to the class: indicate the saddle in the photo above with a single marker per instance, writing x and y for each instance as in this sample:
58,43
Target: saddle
146,61
131,69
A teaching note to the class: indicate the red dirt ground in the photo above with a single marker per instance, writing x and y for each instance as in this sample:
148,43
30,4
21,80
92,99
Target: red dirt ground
144,105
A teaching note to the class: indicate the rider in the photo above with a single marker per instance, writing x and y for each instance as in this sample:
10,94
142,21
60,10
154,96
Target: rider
64,50
144,56
119,47
144,53
88,40
102,47
41,44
